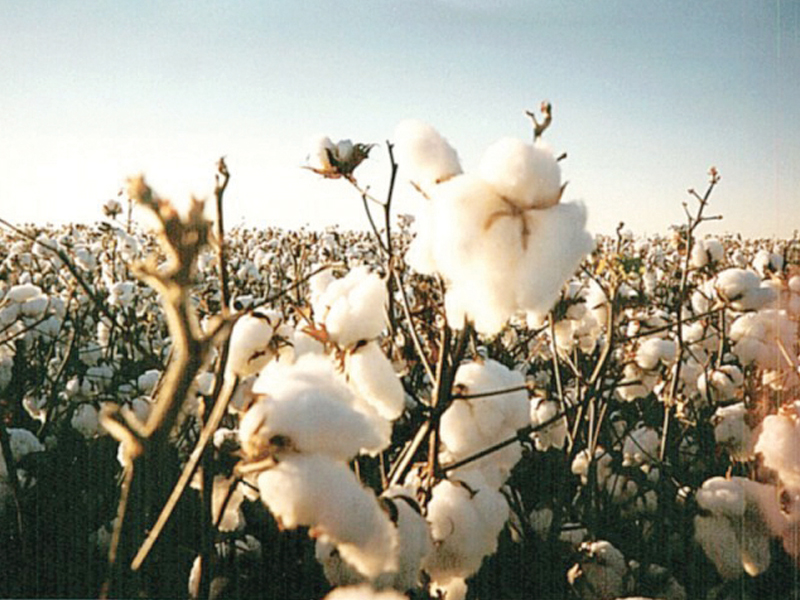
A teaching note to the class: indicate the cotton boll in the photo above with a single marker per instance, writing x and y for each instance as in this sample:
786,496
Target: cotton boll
581,465
653,351
21,293
320,153
527,175
321,493
373,378
732,432
309,407
741,290
308,420
423,154
22,442
555,434
363,592
471,425
466,517
601,572
146,382
257,338
641,446
635,383
353,308
35,306
779,444
85,420
759,337
733,531
557,244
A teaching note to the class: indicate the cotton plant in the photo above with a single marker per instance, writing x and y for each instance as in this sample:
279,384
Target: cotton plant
500,237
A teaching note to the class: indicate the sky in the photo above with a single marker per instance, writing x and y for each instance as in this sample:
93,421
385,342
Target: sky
646,97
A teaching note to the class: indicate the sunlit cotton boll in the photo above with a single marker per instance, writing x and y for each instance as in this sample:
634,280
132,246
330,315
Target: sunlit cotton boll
655,351
526,175
762,337
324,494
309,409
414,543
466,516
553,435
721,384
732,432
372,377
253,341
473,424
363,592
779,444
22,292
353,308
734,529
423,155
742,290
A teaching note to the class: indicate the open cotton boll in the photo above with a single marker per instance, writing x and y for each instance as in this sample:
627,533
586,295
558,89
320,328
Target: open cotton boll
779,444
742,290
553,435
471,425
601,572
526,175
641,446
423,154
654,351
557,244
353,308
85,420
705,251
319,153
414,544
466,517
373,378
257,338
731,431
324,494
308,412
721,384
363,592
22,292
734,530
22,442
759,337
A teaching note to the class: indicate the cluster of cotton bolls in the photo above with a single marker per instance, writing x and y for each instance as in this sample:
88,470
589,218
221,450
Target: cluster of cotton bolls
500,237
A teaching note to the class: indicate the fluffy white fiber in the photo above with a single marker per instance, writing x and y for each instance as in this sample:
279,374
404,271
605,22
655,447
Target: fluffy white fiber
252,344
779,444
742,289
759,337
527,175
352,308
308,408
471,425
499,238
654,351
372,377
424,155
363,592
466,516
734,531
324,494
553,435
731,431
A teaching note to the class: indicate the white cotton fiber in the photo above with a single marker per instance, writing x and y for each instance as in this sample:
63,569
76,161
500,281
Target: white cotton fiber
466,516
553,435
423,155
779,444
471,425
363,592
557,244
372,377
654,351
253,342
22,292
731,431
324,494
742,290
310,409
353,308
527,175
734,531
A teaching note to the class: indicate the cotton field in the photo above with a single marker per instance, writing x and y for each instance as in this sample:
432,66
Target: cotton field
483,400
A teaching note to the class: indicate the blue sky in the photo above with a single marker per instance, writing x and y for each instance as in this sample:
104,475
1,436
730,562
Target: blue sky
647,95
